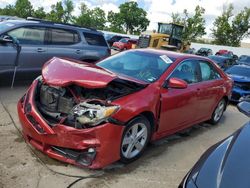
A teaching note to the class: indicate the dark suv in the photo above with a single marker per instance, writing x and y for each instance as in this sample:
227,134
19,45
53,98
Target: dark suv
25,45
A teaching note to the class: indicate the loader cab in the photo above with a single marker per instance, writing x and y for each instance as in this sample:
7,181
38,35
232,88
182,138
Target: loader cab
174,31
168,36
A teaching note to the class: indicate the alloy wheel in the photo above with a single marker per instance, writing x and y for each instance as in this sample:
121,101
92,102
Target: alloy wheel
134,140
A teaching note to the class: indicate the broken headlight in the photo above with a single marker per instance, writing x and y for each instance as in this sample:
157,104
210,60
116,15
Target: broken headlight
92,114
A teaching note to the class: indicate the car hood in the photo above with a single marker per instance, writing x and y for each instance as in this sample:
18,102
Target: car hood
239,78
64,72
226,164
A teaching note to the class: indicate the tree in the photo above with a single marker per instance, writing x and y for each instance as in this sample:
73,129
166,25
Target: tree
57,12
177,19
61,11
132,18
94,18
23,8
229,29
114,22
194,26
69,7
39,13
9,10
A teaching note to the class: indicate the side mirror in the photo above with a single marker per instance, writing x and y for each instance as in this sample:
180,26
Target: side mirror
6,39
175,83
244,107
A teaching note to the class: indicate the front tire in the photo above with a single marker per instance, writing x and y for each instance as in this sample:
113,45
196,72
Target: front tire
218,112
135,139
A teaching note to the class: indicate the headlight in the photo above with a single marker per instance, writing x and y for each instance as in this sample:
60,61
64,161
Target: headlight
93,114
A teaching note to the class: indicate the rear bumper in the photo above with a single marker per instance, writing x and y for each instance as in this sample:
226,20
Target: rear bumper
104,139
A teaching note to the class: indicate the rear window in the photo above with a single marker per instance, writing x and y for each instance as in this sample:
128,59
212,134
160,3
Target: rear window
94,39
64,37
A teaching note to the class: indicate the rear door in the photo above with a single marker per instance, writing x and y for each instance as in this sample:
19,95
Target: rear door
64,43
33,49
210,90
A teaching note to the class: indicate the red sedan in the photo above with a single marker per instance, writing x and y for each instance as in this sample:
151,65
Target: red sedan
93,115
124,44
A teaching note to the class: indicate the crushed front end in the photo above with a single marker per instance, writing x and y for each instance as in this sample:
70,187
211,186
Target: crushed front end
72,123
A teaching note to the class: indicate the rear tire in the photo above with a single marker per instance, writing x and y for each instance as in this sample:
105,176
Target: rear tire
134,139
218,112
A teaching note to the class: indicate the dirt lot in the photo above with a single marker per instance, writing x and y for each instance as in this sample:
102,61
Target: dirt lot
164,163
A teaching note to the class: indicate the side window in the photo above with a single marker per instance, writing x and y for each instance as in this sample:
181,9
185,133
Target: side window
95,39
64,37
208,72
188,71
29,35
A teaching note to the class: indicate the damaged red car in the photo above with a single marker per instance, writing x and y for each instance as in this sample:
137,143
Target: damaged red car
93,115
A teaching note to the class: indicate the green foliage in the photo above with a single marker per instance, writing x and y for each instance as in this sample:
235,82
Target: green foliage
132,18
94,18
115,23
69,7
129,19
23,8
57,12
229,29
194,26
39,13
9,10
177,19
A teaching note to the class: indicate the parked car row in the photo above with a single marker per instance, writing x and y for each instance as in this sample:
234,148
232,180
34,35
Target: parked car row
237,68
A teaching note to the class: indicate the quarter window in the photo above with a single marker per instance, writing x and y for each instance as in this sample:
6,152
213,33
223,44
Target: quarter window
208,72
29,35
94,39
187,71
64,37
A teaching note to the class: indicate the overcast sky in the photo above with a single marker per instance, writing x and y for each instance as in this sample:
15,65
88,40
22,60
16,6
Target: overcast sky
158,10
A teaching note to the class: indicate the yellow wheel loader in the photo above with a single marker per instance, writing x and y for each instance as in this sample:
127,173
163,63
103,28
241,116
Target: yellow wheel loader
168,37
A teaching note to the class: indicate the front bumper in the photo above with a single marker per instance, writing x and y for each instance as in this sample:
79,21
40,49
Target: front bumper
237,93
104,139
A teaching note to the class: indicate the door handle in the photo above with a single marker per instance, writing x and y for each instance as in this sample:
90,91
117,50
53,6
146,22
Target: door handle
40,50
78,51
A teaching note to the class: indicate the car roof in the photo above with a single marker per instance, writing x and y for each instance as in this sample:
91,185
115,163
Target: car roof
52,24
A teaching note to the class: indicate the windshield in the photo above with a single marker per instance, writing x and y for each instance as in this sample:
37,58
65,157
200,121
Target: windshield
139,65
238,70
108,36
165,28
5,25
124,40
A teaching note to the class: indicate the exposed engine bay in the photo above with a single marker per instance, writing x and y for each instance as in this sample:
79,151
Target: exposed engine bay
80,107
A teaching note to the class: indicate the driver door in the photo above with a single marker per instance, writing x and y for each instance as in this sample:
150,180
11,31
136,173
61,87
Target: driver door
179,106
